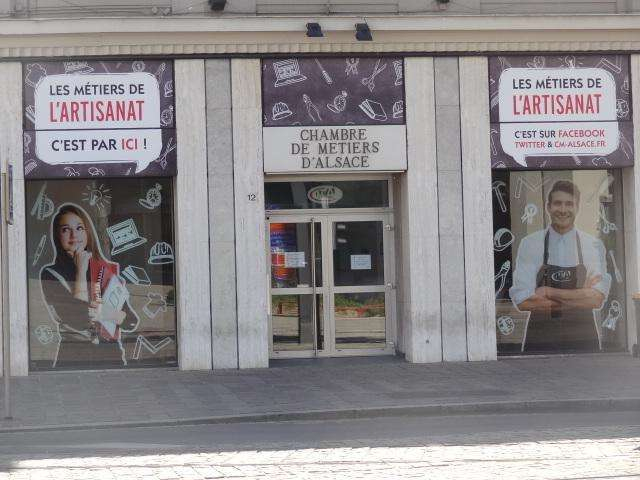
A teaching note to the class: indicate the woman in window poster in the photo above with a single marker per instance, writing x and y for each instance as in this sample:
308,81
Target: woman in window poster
83,293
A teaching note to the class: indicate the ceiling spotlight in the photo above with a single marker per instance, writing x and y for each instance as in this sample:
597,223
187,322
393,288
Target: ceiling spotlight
363,33
217,5
314,30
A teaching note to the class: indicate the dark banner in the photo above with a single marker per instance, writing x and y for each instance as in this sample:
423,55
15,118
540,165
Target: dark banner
99,118
560,111
333,114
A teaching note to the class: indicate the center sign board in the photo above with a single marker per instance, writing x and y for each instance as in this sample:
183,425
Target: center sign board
324,115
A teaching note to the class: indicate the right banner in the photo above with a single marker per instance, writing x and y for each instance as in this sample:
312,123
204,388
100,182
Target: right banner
560,112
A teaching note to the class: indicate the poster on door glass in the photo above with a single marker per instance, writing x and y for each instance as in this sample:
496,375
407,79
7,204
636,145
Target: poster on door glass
100,263
559,261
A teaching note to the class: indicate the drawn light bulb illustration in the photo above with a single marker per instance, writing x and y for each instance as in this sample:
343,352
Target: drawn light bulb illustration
153,197
98,197
339,103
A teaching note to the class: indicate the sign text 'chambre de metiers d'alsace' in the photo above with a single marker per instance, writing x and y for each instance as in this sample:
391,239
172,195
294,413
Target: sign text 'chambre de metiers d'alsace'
333,115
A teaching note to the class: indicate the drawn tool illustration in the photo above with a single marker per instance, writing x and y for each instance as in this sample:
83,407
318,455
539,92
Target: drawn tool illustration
160,72
325,74
161,253
138,66
30,167
136,275
606,226
613,67
26,140
30,112
501,277
352,66
374,110
156,303
502,239
96,172
104,67
71,172
532,187
97,196
398,109
312,110
44,334
576,159
625,85
77,67
279,111
625,145
530,211
35,73
602,190
168,88
39,250
124,236
504,63
616,270
397,68
287,72
499,188
538,62
494,100
166,116
506,325
339,103
369,81
153,197
162,159
43,206
492,139
613,315
153,348
622,108
570,61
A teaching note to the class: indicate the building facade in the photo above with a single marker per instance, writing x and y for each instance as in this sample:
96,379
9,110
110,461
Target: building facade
215,190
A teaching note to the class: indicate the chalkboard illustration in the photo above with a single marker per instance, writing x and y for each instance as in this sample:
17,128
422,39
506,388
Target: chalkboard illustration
312,110
124,236
370,81
339,103
287,72
153,198
328,91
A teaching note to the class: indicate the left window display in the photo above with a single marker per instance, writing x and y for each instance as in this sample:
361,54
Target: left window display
101,277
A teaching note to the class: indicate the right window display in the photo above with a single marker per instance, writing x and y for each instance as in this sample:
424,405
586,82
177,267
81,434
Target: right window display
559,261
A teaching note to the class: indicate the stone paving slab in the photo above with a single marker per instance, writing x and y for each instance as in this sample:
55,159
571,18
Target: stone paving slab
324,388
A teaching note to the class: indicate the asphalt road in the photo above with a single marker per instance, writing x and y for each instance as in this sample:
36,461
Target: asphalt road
537,446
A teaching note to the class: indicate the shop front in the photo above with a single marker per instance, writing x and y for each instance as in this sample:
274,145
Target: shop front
561,139
99,161
333,132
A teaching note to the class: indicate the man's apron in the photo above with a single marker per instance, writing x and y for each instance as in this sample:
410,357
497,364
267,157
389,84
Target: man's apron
561,329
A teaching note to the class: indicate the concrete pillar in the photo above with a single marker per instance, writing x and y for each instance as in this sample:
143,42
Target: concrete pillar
221,214
192,218
248,181
631,198
420,261
452,281
476,191
11,149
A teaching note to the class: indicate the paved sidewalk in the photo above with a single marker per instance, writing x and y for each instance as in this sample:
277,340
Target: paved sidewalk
326,388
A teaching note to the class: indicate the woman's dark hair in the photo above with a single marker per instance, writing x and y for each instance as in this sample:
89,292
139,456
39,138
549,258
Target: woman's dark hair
88,226
565,186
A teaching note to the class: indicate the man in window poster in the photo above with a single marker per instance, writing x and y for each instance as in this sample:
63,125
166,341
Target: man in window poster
561,276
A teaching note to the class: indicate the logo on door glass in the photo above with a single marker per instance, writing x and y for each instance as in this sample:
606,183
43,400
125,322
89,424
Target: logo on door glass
325,194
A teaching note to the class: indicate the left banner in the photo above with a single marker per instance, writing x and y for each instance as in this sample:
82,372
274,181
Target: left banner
99,118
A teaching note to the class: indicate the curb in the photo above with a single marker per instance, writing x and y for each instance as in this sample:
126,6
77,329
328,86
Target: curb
484,408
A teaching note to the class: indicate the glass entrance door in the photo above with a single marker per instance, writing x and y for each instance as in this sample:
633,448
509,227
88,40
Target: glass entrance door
332,285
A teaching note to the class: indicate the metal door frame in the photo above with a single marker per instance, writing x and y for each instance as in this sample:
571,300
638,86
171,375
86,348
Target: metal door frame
326,218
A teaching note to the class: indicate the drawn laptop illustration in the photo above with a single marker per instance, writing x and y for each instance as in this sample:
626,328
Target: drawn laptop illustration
287,72
124,236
